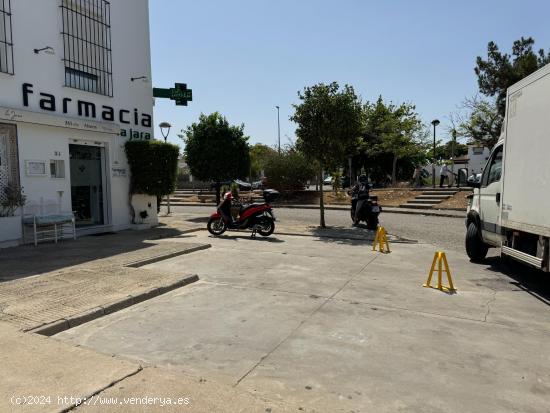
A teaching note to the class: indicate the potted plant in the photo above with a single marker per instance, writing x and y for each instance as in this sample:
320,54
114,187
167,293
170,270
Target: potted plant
10,222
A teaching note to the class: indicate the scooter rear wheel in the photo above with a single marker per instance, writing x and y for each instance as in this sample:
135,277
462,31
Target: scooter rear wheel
372,223
267,226
216,226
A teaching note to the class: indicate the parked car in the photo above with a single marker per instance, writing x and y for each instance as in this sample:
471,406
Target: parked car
327,180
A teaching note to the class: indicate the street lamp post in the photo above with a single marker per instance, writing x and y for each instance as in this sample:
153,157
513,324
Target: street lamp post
163,126
279,129
167,126
453,145
435,122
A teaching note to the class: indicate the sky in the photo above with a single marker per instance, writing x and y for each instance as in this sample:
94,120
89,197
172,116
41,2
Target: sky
244,57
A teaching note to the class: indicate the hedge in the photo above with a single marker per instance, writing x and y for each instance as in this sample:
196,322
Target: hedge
153,167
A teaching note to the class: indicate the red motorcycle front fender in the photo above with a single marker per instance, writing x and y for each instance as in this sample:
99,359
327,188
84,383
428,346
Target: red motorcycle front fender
216,215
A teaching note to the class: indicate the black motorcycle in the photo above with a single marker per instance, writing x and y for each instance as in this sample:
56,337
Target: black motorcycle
368,210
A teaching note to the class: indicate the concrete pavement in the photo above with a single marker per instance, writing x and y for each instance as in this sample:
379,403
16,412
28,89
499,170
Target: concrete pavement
329,325
53,287
40,374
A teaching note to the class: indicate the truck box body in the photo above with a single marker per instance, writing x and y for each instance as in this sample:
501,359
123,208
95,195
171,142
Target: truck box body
526,172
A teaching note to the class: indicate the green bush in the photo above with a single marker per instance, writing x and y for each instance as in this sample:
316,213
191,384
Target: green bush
153,167
288,171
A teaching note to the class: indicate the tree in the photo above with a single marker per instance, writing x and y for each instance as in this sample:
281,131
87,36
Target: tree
329,122
216,151
500,71
289,170
478,120
393,130
260,155
445,151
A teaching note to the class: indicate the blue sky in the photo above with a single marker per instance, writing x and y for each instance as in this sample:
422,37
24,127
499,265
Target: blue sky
244,57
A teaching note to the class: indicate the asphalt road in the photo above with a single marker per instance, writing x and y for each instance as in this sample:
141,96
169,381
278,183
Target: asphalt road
443,232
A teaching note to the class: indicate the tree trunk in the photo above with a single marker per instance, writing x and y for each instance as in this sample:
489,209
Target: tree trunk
394,171
218,187
321,200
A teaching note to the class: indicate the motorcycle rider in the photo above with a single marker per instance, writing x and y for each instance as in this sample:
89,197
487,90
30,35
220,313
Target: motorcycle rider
359,194
225,207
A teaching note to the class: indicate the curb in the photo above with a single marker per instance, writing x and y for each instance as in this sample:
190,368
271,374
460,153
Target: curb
64,324
137,264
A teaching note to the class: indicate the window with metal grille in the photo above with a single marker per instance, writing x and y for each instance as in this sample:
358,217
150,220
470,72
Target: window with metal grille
6,43
87,45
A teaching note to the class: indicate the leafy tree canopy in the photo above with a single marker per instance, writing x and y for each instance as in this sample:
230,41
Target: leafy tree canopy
445,150
392,133
215,150
500,70
289,170
260,155
329,123
479,121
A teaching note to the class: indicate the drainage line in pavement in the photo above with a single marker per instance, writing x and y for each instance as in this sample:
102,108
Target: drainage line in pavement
86,399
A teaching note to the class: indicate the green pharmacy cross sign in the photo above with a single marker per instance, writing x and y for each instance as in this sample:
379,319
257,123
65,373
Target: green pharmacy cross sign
180,94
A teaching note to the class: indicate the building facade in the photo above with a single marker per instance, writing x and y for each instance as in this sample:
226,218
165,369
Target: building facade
75,84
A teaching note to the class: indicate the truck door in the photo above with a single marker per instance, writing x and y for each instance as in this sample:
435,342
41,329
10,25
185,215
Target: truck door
490,194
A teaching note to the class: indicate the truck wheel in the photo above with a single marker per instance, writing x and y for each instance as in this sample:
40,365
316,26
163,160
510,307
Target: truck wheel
475,247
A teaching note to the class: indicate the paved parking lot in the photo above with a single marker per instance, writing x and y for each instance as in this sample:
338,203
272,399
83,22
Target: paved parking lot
331,326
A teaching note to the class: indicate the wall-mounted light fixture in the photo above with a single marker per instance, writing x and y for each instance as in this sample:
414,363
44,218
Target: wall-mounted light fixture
47,49
133,79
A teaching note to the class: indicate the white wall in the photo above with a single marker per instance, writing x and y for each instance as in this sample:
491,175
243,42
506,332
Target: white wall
37,24
476,162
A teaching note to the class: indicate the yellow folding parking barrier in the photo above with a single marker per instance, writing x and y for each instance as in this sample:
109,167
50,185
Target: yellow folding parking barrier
441,260
381,240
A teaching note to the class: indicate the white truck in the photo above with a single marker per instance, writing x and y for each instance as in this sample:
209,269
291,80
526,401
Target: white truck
510,206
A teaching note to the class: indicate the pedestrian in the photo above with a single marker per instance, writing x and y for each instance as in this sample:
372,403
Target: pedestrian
444,175
417,175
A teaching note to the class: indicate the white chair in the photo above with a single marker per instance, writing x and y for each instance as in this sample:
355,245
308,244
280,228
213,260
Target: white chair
48,221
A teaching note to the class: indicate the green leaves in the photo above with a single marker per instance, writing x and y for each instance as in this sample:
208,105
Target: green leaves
153,167
288,171
500,70
392,133
216,150
329,122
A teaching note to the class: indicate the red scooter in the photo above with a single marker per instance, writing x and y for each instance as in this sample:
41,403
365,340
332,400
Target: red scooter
258,217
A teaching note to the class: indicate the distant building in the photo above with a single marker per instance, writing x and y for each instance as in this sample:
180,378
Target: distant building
475,160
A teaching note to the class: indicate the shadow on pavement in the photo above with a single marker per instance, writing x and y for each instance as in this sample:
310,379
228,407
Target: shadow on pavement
512,273
258,238
353,235
28,260
198,219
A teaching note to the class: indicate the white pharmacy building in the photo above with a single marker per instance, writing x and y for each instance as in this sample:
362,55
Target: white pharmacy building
75,84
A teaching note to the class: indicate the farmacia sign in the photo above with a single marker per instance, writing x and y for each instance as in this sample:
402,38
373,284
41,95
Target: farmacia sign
90,110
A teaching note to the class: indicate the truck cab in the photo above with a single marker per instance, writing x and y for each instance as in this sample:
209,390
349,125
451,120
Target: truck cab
484,211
